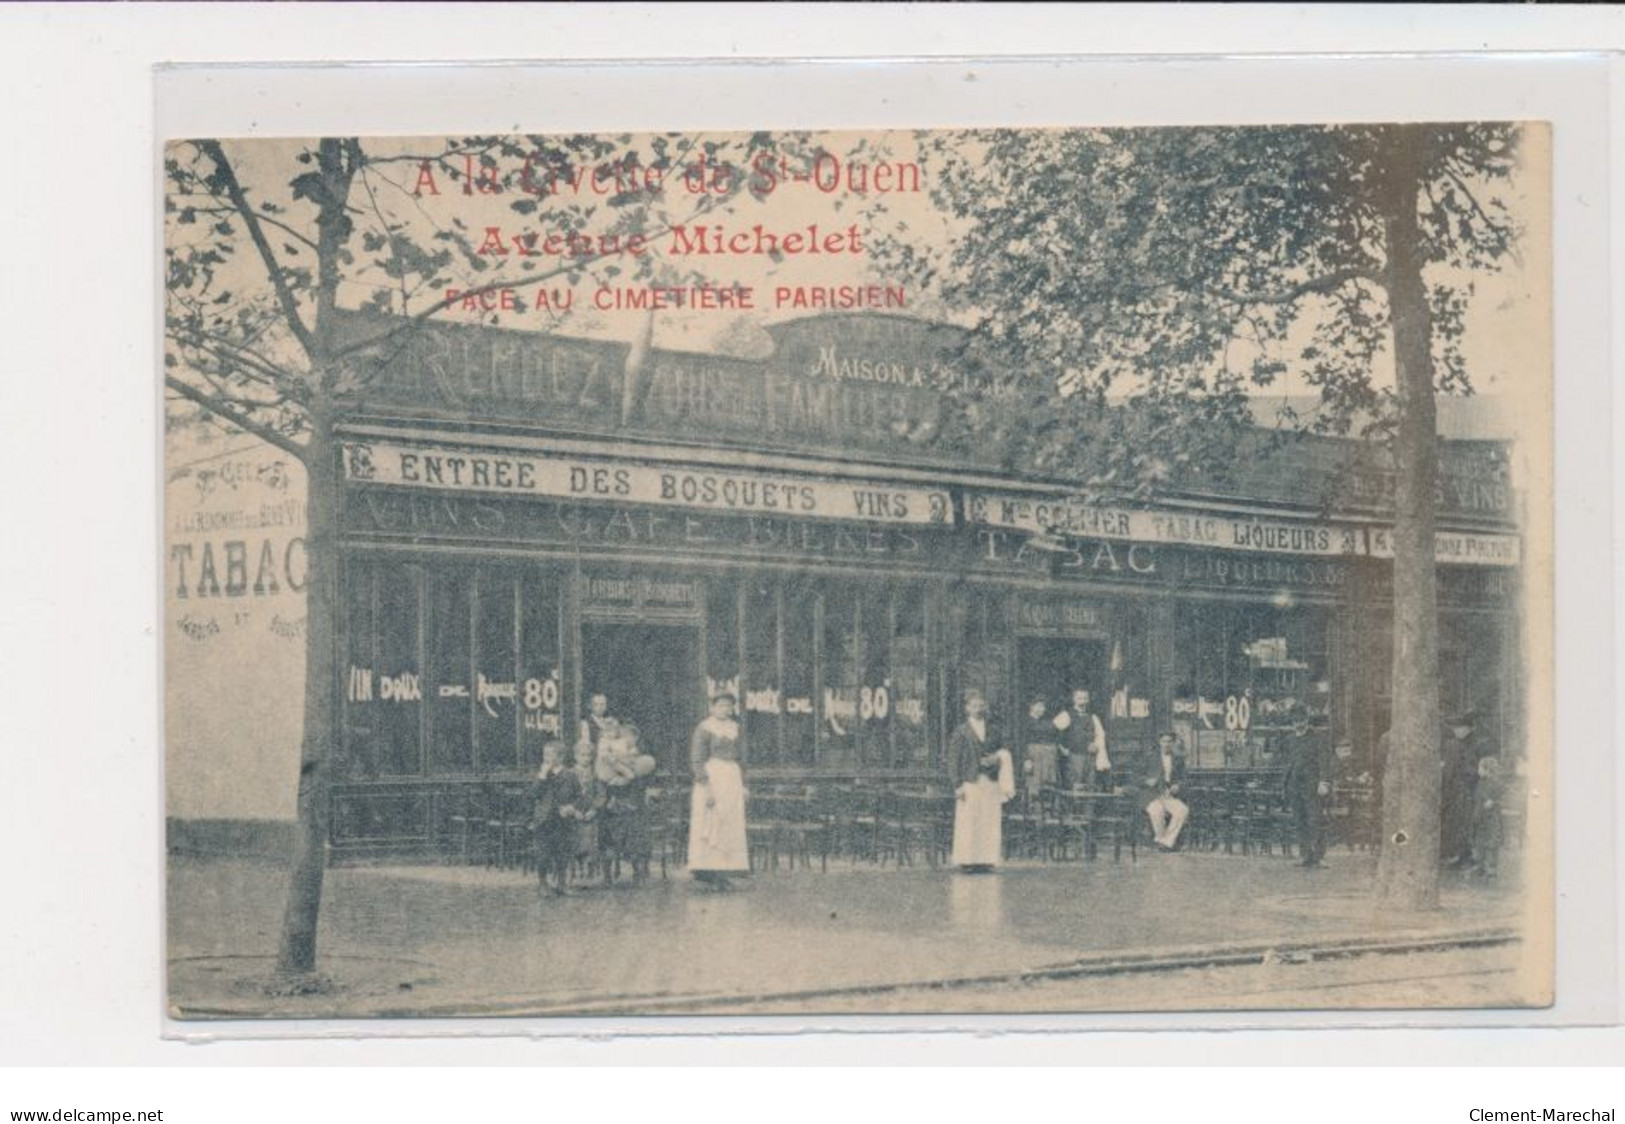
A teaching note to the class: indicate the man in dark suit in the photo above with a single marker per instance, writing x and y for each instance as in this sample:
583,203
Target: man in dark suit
1308,791
1457,784
1166,811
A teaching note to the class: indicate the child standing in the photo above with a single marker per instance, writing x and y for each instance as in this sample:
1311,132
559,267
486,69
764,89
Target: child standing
1489,830
556,802
623,770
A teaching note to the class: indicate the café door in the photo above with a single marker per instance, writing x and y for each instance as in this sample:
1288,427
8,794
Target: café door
651,674
1052,667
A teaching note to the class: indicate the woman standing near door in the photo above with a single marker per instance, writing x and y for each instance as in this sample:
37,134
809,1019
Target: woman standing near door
716,825
986,778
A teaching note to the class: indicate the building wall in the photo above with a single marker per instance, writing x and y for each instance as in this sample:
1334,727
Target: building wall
234,618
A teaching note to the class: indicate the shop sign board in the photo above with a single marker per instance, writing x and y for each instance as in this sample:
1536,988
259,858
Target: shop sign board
450,469
1454,548
1060,516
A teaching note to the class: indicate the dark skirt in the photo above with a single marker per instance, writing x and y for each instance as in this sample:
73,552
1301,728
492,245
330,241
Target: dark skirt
555,841
625,827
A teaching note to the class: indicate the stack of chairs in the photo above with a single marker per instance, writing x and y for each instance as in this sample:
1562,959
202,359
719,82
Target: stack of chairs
470,820
1023,826
856,821
1068,825
789,823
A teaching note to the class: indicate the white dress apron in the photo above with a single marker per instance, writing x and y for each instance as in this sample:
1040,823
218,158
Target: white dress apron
979,817
716,834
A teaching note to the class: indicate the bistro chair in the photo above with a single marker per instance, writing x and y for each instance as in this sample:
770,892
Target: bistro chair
1199,833
1058,824
926,823
468,821
667,810
1119,817
891,831
514,833
1023,826
1236,816
787,822
857,822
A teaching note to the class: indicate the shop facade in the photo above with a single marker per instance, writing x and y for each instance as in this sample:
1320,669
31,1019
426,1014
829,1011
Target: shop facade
528,521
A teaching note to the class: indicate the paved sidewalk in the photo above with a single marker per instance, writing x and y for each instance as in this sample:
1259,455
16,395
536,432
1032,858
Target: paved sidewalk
428,941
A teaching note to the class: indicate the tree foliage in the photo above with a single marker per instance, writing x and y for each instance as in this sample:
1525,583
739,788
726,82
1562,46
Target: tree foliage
1152,282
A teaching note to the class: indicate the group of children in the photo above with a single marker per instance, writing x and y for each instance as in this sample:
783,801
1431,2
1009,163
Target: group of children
592,813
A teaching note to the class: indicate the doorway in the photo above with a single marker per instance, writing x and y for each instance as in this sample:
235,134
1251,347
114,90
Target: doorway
1052,667
651,674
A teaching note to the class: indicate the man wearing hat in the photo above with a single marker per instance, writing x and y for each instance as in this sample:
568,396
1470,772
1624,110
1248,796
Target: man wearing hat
1458,784
1308,791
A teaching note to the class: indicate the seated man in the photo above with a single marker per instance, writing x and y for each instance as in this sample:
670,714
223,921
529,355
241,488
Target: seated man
1166,811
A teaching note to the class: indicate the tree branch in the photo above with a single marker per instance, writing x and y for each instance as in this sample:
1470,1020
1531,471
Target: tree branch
1501,232
1327,283
286,228
263,370
284,295
389,233
222,408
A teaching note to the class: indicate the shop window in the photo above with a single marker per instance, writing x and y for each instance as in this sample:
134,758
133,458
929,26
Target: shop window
450,686
874,680
987,656
397,689
832,674
910,680
496,683
540,696
1244,672
360,671
798,723
722,639
759,672
839,663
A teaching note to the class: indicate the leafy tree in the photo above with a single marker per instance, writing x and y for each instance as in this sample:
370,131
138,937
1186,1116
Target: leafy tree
261,263
1147,284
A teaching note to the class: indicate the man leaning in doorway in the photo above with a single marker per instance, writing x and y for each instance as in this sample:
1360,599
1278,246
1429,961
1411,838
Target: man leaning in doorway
1084,761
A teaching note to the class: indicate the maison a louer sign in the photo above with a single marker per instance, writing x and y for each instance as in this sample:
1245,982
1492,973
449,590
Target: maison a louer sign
487,471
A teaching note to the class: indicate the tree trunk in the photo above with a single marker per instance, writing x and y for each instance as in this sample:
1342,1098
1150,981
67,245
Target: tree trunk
338,162
296,951
1408,871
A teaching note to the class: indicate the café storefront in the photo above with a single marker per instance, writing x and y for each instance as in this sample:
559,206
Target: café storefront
529,520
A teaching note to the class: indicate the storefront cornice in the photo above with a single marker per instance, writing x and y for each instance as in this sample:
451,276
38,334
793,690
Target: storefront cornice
725,457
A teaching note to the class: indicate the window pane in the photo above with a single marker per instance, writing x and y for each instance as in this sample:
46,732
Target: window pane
722,639
448,655
540,679
799,722
495,690
761,672
399,689
909,675
359,673
838,709
874,683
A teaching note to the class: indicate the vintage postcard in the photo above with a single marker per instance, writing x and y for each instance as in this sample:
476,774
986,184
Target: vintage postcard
794,572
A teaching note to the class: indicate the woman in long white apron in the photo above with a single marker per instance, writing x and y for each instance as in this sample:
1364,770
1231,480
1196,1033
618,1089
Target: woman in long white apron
987,780
716,823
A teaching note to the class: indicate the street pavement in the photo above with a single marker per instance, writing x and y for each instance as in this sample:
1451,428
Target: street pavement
437,940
